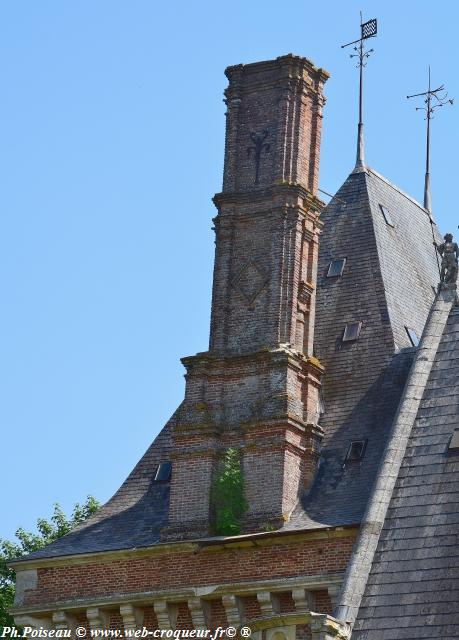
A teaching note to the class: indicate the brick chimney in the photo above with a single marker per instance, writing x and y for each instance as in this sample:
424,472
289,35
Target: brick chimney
257,388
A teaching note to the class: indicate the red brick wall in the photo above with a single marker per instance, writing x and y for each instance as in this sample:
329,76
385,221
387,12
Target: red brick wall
250,607
217,614
150,621
259,271
323,602
285,558
115,621
82,621
191,485
286,603
284,97
184,620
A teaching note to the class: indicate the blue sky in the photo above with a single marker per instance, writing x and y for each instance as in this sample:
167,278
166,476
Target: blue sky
111,147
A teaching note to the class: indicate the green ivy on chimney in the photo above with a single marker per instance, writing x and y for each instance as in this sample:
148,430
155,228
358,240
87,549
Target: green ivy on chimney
228,500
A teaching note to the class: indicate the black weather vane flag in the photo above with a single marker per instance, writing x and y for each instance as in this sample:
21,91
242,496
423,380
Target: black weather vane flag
368,29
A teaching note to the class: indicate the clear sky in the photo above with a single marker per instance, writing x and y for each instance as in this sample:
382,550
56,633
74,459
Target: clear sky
111,147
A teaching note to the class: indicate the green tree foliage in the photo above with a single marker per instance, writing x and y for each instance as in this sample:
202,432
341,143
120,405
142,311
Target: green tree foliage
47,531
228,499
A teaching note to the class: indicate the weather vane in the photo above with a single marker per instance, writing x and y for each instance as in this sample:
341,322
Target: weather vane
368,29
433,100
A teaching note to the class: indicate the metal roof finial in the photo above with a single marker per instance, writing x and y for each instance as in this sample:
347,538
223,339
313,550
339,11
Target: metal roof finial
368,29
433,99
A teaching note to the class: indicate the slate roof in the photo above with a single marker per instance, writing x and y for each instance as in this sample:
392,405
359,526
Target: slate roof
132,518
413,587
387,284
363,380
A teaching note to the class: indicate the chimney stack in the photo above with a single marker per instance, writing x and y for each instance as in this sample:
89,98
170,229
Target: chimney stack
257,388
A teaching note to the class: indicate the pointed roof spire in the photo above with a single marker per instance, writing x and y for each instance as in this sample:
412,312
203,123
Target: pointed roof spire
368,29
433,99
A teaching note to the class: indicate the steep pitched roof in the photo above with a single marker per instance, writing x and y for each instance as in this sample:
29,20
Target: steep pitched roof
413,587
387,284
406,255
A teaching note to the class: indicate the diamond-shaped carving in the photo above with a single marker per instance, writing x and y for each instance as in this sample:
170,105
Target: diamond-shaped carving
250,281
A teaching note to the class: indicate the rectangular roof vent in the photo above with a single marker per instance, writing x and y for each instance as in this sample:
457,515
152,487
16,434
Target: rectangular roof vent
335,268
387,216
412,335
355,451
352,331
163,472
454,442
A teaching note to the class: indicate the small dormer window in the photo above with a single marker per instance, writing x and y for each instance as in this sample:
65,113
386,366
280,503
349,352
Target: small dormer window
355,451
413,336
335,268
387,216
454,442
352,331
163,472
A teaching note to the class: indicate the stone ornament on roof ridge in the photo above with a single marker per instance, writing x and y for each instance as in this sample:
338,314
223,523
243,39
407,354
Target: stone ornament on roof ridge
449,252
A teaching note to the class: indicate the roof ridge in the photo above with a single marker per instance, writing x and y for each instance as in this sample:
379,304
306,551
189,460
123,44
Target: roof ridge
386,289
361,560
370,170
393,242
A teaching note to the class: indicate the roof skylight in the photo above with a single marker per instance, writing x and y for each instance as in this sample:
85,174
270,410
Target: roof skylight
412,335
163,472
387,216
335,268
352,331
355,451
